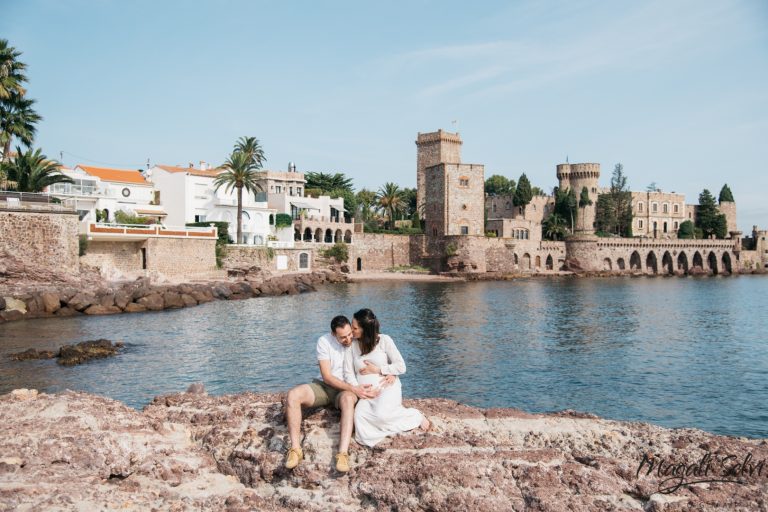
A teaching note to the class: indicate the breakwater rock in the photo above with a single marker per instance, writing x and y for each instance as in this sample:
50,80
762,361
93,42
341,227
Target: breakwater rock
142,295
70,355
191,451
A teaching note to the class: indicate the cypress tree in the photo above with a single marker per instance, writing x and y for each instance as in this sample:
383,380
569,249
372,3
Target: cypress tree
725,194
523,193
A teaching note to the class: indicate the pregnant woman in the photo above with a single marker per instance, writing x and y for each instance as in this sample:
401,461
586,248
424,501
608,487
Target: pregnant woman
371,356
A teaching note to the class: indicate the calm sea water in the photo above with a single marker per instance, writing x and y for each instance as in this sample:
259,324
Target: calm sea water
676,352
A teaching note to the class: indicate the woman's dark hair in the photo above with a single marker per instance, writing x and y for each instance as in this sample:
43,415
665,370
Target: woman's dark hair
370,326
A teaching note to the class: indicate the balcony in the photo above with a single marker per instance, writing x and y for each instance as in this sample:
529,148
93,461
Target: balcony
138,232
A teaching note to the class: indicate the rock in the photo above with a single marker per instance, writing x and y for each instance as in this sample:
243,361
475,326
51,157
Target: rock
188,300
344,268
98,309
172,300
10,315
196,389
221,291
33,354
192,451
106,299
132,307
123,298
2,303
153,302
202,296
34,303
81,301
67,311
12,304
70,355
51,302
22,395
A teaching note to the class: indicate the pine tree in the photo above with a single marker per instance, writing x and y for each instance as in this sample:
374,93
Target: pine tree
706,216
725,194
523,193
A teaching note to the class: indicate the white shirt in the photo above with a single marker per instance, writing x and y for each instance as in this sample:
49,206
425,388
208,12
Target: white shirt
329,349
384,352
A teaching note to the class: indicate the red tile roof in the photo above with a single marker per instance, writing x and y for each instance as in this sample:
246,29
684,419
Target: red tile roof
116,175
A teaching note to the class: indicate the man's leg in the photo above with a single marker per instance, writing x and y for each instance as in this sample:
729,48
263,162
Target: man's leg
298,397
347,401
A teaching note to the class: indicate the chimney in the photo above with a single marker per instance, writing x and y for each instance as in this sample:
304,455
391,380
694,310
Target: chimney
203,165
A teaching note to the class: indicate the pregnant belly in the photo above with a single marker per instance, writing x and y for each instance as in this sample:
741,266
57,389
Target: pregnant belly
369,379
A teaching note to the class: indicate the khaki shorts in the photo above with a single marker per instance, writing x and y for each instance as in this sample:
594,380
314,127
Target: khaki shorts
325,395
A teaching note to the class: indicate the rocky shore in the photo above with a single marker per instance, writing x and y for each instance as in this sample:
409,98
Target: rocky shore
95,297
191,451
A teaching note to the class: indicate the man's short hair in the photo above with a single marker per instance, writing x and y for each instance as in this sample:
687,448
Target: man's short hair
339,321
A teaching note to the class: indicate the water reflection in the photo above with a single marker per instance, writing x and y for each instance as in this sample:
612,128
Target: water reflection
679,352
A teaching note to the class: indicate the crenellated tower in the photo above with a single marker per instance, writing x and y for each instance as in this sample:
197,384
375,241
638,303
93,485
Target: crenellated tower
434,148
576,177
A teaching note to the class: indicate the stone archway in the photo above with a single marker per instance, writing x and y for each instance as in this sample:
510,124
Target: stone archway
666,264
526,261
682,262
620,264
607,265
651,263
296,235
338,237
712,262
308,235
348,237
635,262
328,236
359,264
550,264
538,261
727,266
318,235
698,261
517,260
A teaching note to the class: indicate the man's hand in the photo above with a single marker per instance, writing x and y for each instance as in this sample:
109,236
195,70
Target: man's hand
365,391
370,369
387,380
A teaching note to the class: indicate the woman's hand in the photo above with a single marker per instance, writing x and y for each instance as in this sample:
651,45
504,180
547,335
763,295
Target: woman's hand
386,381
369,369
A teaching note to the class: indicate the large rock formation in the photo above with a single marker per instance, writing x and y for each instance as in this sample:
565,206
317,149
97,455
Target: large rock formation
75,451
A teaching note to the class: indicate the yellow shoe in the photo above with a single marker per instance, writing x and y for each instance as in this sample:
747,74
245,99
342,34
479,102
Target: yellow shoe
293,458
342,462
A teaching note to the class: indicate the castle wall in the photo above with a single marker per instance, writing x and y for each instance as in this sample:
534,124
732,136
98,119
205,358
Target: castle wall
275,260
455,199
114,259
47,239
502,207
378,252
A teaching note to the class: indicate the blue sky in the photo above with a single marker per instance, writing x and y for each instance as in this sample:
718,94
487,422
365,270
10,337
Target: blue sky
677,91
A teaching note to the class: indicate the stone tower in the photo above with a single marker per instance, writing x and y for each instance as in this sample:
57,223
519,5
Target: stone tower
454,200
576,177
432,149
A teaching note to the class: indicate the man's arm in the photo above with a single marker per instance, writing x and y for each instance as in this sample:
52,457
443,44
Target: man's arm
361,391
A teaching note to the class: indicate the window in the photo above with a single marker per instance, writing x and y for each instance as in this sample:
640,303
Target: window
290,191
303,260
640,207
278,189
434,231
126,192
676,208
463,181
464,230
665,208
199,218
508,206
640,223
298,191
493,207
676,226
655,207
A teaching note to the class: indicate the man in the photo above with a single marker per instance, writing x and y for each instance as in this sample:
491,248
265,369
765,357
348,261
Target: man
328,390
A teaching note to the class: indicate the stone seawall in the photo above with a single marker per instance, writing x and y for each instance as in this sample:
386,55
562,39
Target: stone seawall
49,240
141,295
191,451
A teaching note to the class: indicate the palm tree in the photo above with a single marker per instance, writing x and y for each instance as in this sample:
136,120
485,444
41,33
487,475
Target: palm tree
32,171
17,119
366,200
554,227
11,71
251,147
240,172
390,199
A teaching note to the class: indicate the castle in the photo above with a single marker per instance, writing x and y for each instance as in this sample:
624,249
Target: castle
452,197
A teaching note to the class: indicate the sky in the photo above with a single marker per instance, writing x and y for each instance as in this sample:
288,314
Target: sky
675,90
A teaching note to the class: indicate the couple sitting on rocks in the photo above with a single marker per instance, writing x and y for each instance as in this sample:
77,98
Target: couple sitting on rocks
357,366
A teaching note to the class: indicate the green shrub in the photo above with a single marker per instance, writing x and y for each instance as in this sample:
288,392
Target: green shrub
451,249
283,220
490,234
122,217
338,252
83,244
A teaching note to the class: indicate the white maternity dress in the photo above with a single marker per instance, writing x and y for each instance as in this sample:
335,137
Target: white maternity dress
384,415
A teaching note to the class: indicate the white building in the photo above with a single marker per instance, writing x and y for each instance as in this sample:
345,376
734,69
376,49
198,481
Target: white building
108,191
188,195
